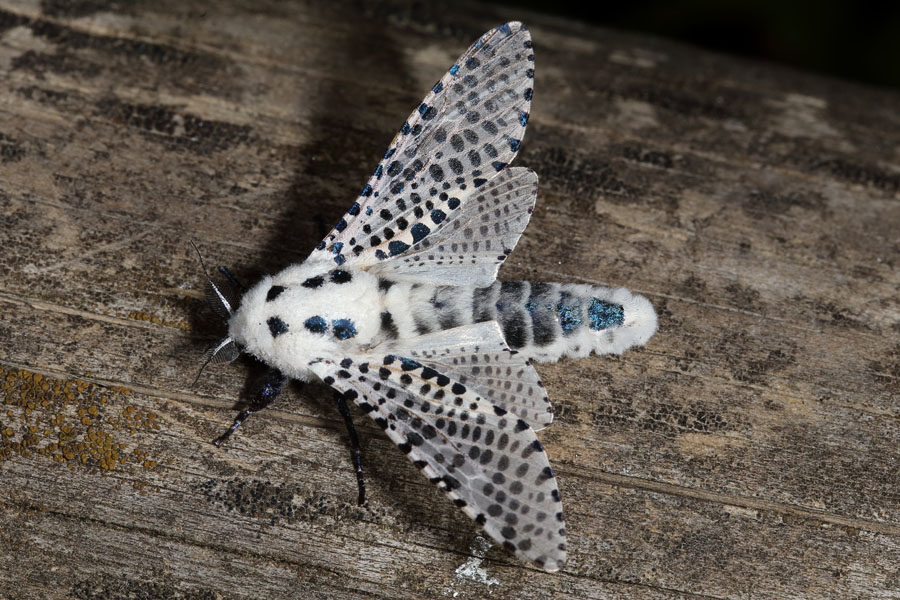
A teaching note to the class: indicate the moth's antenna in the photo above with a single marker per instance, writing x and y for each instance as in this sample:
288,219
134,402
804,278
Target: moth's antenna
200,372
200,256
216,298
224,351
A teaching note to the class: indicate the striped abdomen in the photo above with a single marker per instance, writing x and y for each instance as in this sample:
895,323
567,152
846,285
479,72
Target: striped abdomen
544,321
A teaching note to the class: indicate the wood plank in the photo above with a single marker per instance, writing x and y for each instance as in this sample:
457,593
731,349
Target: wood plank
748,451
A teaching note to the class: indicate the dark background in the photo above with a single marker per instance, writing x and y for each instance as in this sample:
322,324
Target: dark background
852,40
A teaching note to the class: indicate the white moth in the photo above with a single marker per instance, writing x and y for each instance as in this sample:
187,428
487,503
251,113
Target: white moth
398,308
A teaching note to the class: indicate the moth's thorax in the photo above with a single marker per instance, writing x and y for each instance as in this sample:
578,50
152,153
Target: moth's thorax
306,312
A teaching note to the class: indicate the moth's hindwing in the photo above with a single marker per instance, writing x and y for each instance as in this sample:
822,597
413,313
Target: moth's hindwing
478,357
474,240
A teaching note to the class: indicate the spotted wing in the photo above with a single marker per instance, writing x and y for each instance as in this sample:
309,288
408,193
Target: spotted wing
465,132
478,357
489,462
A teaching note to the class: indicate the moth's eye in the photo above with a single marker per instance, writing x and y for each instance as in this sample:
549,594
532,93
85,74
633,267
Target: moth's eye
274,292
344,329
276,326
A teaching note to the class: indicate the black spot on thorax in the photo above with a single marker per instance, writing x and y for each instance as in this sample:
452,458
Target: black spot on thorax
276,326
340,276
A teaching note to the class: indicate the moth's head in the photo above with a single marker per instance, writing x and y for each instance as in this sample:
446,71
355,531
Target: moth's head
224,301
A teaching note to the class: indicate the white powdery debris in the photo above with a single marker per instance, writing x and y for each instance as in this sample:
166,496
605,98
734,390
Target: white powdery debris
471,570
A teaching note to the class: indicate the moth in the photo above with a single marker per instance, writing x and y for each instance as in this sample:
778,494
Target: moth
399,310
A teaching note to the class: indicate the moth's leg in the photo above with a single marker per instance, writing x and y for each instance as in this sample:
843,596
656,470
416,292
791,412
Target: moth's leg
355,454
266,395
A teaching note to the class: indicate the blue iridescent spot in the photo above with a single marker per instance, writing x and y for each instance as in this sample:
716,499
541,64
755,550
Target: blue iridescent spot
316,324
368,211
499,165
320,245
404,129
528,93
531,306
505,29
341,225
354,209
339,259
514,145
408,364
367,191
378,171
389,153
454,69
437,87
570,317
479,44
438,215
422,108
523,118
338,246
419,231
344,329
397,247
603,316
473,63
380,255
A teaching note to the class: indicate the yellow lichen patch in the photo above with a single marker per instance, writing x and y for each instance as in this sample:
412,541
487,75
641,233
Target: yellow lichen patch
136,315
72,421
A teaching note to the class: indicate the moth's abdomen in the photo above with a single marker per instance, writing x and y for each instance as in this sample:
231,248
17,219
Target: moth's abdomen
543,321
546,321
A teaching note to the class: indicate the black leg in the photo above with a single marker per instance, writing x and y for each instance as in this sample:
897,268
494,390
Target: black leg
355,454
266,395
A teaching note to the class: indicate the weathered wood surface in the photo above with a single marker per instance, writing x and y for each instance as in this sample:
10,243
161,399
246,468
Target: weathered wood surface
750,450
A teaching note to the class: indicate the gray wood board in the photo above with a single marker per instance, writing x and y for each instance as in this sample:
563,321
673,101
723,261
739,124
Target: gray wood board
749,450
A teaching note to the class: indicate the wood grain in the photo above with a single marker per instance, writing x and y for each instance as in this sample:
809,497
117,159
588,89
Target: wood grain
749,451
